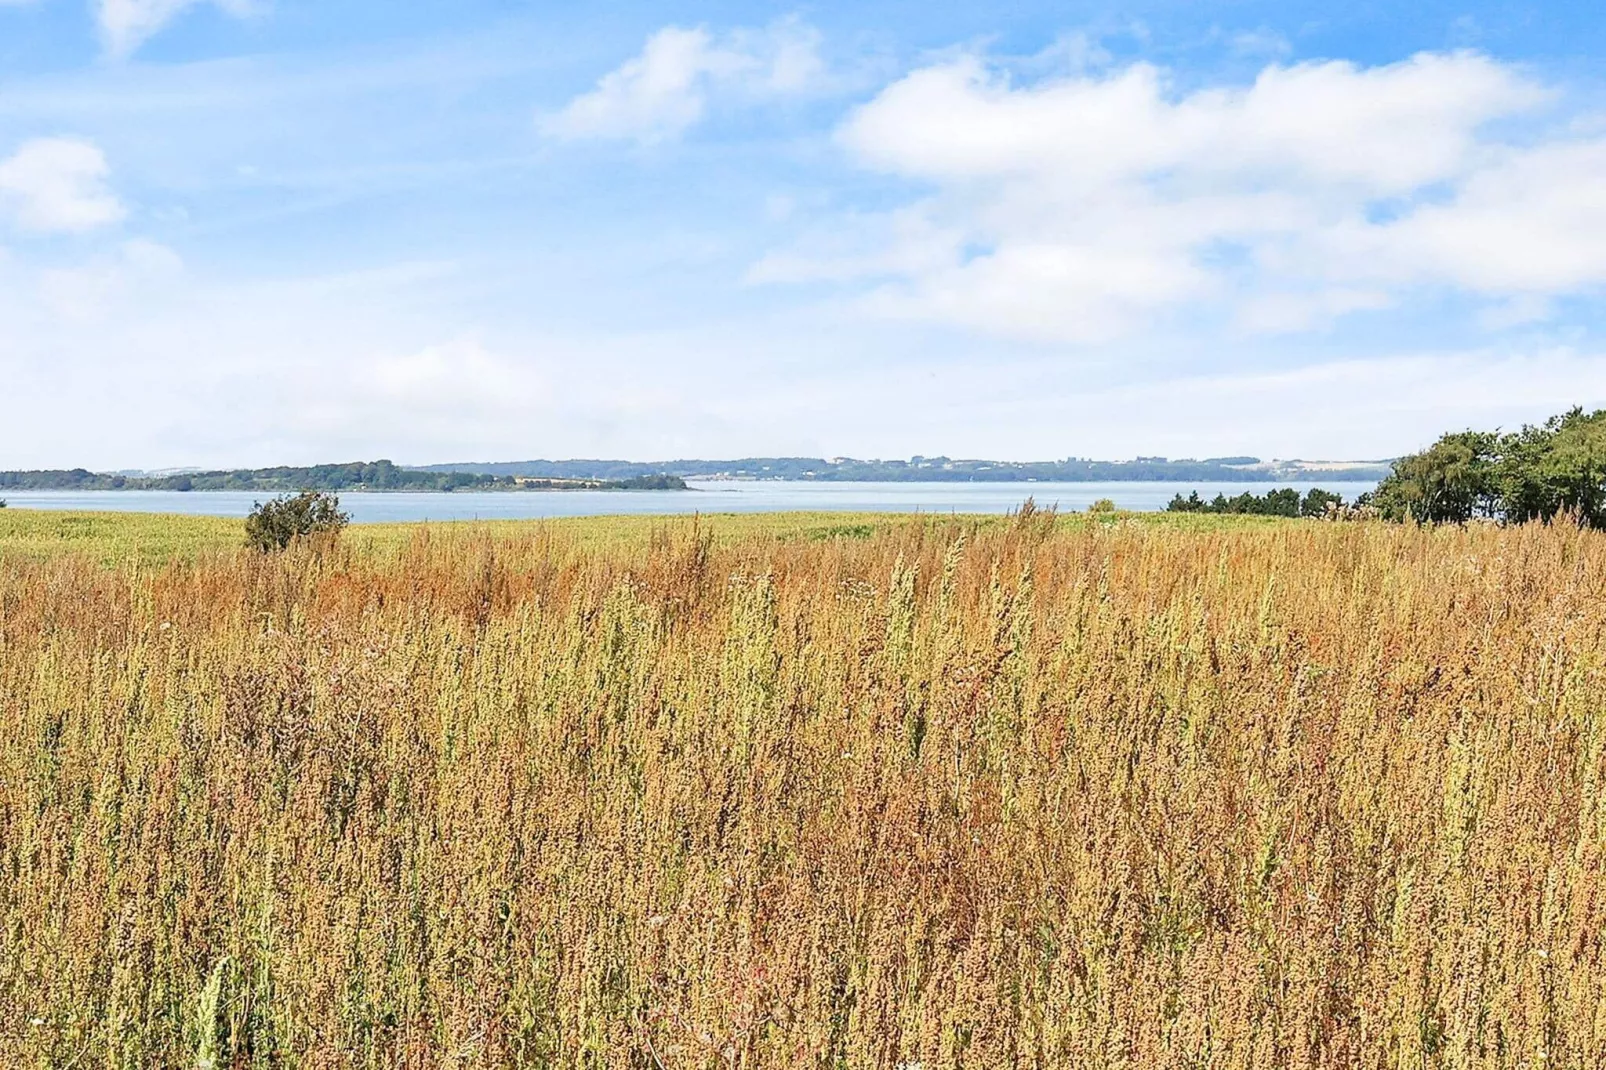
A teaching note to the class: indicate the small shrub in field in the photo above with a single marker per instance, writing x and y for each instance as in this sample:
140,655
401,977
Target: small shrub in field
276,524
1103,505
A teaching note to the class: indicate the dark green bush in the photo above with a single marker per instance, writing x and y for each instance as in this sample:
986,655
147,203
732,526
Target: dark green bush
1283,502
274,525
1317,502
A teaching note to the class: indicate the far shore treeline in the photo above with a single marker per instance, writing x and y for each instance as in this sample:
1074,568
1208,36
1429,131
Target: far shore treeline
1535,473
919,469
671,475
355,476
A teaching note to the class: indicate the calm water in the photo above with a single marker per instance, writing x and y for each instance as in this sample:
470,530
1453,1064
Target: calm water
707,497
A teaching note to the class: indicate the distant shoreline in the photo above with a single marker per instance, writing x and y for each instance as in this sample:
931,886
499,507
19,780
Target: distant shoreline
937,470
540,475
354,477
740,496
487,489
1339,476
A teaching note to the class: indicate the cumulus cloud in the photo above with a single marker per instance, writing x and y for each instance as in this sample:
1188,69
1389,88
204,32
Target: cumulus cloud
1083,207
57,184
127,24
665,90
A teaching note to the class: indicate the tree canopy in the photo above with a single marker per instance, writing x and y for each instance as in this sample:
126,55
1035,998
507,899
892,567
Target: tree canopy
1531,474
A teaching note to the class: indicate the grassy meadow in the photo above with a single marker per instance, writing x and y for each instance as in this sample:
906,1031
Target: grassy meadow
803,791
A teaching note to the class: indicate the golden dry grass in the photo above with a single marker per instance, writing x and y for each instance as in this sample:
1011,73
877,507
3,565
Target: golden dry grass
938,794
157,538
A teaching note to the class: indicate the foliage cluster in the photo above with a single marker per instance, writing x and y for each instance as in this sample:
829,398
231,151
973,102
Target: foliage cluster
1531,474
1070,794
1283,502
276,524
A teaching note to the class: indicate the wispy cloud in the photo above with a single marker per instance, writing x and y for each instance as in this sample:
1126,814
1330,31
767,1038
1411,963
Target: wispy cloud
117,280
665,90
125,25
57,184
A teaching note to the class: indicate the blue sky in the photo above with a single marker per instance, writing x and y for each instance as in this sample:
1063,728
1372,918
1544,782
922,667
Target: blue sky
264,231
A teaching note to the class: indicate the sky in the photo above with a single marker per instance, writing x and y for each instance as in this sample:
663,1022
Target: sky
252,232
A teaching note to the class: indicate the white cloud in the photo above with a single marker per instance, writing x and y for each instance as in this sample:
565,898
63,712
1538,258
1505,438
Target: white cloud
1086,207
1386,129
127,24
123,357
457,380
57,184
1262,42
665,90
119,280
127,359
1526,221
861,245
117,355
1371,407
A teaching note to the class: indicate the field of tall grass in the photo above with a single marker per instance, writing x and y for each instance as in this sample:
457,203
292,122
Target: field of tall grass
927,793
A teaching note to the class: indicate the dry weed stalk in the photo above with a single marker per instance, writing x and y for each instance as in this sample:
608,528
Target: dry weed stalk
1029,795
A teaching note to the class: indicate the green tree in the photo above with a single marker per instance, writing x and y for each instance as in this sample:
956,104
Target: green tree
1451,481
1559,466
1191,504
274,525
1284,502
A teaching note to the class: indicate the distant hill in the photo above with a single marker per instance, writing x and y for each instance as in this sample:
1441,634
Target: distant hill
671,475
936,469
353,476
